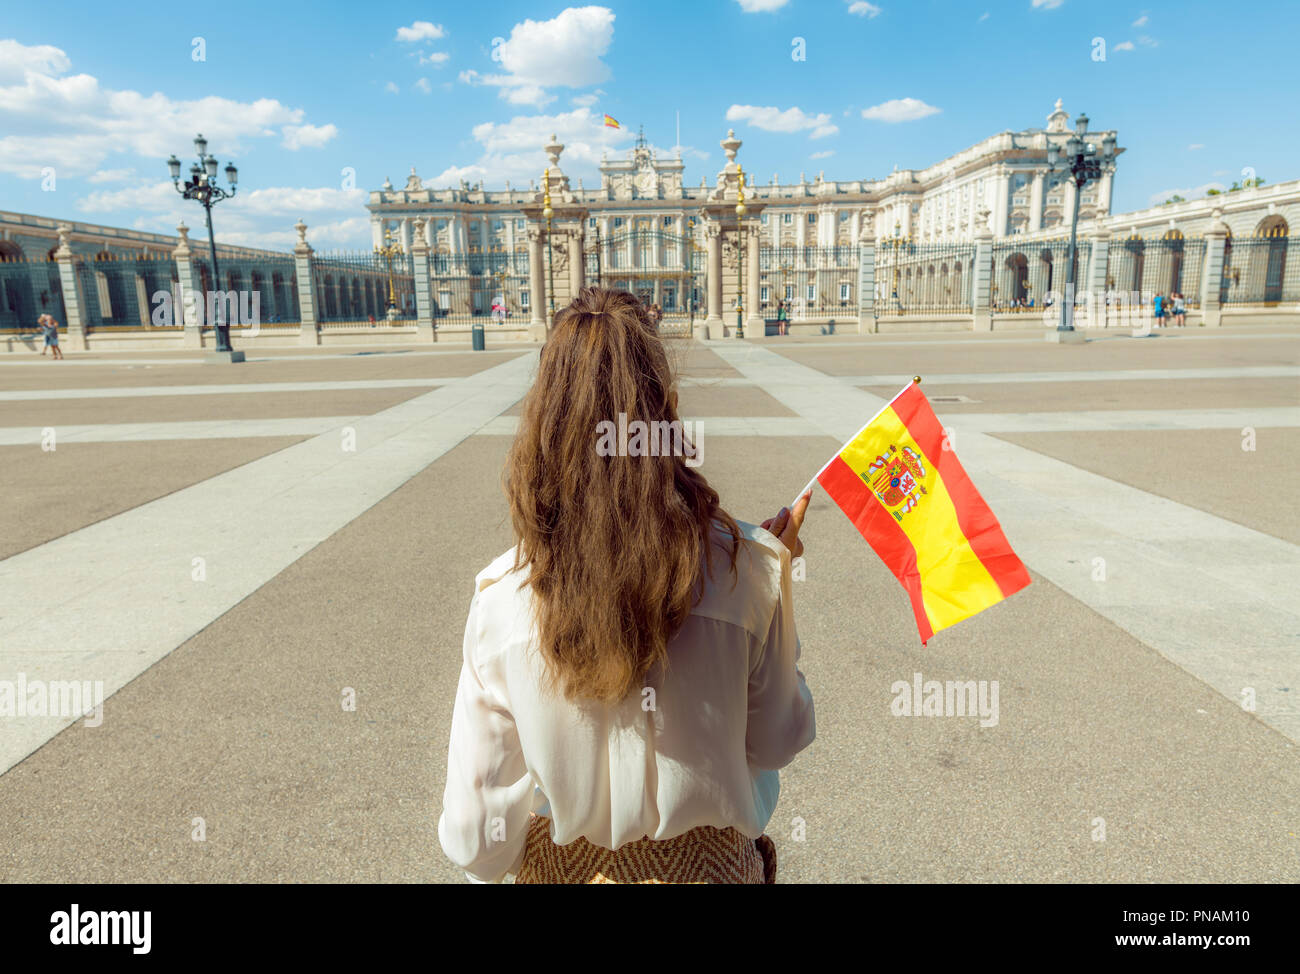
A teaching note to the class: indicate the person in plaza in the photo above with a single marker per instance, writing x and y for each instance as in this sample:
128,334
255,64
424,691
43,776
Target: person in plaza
50,330
629,685
1160,309
1180,310
782,316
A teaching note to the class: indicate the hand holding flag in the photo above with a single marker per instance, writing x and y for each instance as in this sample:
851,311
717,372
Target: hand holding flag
901,485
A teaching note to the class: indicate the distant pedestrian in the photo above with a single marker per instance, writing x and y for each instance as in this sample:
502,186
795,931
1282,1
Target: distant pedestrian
50,328
782,316
1180,310
1161,309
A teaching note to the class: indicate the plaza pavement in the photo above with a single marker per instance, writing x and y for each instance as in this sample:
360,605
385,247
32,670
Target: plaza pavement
327,568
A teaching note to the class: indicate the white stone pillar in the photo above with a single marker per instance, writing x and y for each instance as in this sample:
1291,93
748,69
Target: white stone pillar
308,330
189,292
713,324
866,279
1036,202
75,325
537,285
1001,202
981,282
420,270
754,323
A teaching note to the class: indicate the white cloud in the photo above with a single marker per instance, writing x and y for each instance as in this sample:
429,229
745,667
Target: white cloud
1141,21
1155,199
513,150
1148,42
761,6
900,110
585,101
564,51
1047,4
391,87
437,58
983,17
1123,46
421,30
772,119
824,154
860,8
110,175
1196,145
308,136
424,86
70,121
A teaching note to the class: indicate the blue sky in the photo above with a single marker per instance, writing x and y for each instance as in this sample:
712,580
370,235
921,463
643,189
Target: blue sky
318,103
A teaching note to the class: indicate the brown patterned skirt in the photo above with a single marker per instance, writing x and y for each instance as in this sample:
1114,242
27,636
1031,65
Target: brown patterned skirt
702,855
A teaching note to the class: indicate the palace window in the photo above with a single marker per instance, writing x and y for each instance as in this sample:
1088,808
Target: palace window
523,300
498,224
811,292
787,217
812,217
591,222
763,219
618,221
668,221
763,294
789,293
845,291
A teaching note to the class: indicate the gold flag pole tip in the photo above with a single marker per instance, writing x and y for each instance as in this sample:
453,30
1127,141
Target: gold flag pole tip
916,379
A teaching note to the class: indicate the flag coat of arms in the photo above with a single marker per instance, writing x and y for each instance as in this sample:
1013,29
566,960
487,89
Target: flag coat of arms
903,488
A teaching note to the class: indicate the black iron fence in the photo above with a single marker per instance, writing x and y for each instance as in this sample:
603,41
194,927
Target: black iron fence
1030,276
126,292
489,288
359,288
29,289
665,270
1262,272
808,282
1164,265
924,278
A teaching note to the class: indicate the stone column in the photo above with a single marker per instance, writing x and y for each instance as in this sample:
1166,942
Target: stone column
75,326
577,261
377,231
1001,201
1216,236
755,327
420,269
1036,202
713,324
308,331
1095,315
867,277
982,278
536,285
189,301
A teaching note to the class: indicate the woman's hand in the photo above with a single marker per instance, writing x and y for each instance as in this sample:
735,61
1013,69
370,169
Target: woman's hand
787,523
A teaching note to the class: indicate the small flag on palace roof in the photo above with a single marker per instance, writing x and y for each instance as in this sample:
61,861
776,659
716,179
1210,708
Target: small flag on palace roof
611,122
901,485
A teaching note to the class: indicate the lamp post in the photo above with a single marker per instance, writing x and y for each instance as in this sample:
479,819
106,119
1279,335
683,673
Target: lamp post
599,281
550,259
1080,162
688,284
391,249
740,254
202,186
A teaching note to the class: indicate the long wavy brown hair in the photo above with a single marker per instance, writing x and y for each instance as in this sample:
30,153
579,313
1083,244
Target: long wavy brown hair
616,546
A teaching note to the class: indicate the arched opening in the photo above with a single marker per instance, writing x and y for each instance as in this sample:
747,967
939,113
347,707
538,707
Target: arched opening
1276,231
1049,268
1017,266
1136,248
1174,245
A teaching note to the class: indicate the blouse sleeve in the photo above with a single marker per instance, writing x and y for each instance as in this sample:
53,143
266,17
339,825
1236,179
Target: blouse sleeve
484,823
781,721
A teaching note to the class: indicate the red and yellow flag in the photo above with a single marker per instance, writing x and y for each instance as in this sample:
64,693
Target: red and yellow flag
902,486
611,122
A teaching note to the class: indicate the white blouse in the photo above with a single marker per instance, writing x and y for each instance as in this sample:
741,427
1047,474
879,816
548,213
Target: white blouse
699,745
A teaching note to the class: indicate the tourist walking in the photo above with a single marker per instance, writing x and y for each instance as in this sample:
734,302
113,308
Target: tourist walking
782,316
1161,308
50,329
1180,310
629,685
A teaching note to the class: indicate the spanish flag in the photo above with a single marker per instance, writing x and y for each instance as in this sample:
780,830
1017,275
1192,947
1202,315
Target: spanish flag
901,485
611,122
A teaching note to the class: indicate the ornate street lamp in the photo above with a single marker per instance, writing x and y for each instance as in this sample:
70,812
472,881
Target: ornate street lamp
550,259
599,281
391,249
202,186
740,254
895,243
1080,162
688,283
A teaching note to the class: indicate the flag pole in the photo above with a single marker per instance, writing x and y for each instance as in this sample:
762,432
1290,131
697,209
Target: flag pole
916,381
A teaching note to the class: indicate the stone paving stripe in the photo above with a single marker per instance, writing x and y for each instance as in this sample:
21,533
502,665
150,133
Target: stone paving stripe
130,392
193,430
